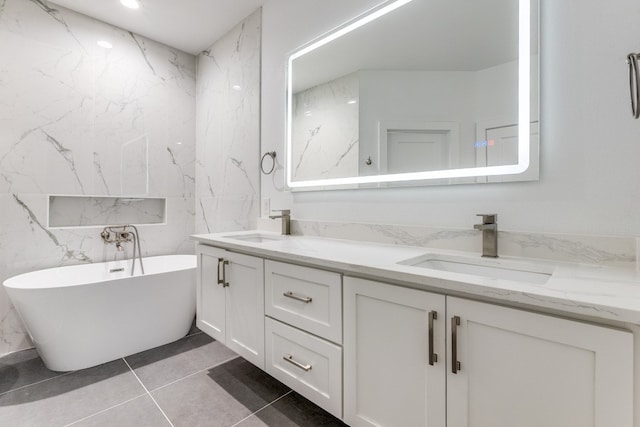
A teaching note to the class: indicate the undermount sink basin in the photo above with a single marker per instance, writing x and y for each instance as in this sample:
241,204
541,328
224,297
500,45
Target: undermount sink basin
254,238
495,268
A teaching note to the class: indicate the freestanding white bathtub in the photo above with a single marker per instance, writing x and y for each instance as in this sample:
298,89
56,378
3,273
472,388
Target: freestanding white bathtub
84,315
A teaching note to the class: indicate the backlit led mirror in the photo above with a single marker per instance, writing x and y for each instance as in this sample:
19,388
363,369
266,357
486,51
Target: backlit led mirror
417,92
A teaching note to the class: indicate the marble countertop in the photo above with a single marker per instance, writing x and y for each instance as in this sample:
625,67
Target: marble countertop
580,289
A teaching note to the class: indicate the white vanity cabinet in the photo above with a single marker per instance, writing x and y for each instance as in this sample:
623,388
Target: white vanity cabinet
304,331
516,368
389,334
305,297
230,300
380,354
527,369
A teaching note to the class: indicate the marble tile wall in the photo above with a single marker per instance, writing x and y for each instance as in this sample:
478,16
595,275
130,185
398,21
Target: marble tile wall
325,130
228,130
82,211
78,119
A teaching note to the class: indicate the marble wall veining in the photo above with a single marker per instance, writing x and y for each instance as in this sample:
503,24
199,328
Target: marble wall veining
81,211
78,119
325,128
612,251
228,130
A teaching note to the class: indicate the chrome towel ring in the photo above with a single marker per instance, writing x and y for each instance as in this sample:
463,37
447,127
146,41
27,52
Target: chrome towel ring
271,154
634,83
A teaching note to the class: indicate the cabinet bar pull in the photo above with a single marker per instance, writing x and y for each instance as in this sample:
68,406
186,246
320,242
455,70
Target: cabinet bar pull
433,358
455,365
291,295
224,273
220,281
289,358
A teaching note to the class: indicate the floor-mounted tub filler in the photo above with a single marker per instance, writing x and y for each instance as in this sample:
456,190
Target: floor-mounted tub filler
84,315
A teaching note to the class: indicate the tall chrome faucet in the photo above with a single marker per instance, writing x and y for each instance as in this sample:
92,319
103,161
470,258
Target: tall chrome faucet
285,214
489,228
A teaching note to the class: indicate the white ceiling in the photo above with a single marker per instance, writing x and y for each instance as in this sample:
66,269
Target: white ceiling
189,25
434,35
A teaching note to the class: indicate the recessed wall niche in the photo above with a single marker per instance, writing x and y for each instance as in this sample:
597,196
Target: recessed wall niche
93,211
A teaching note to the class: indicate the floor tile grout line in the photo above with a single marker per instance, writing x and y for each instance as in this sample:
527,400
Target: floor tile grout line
194,373
63,373
265,406
148,393
105,410
37,382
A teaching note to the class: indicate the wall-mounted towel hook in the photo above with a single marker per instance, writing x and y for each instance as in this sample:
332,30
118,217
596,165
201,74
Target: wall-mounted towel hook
634,83
271,154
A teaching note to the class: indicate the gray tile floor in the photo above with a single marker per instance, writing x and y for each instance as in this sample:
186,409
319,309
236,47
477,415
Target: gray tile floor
195,381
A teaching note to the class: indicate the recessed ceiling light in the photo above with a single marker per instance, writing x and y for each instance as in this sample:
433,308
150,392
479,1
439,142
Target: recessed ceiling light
131,4
105,44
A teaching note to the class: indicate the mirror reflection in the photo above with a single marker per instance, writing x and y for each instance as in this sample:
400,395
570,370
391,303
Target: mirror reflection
431,86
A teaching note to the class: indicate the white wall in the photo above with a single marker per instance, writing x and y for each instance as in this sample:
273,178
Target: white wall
431,96
497,94
590,146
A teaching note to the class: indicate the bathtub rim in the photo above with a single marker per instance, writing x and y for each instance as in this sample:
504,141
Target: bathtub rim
20,282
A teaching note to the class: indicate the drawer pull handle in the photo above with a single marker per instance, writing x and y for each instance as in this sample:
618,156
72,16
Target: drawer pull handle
291,295
289,358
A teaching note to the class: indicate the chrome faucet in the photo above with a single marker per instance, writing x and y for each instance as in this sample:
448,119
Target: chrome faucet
489,228
119,234
285,214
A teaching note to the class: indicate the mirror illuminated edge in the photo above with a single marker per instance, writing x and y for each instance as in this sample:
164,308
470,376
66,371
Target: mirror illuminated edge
525,151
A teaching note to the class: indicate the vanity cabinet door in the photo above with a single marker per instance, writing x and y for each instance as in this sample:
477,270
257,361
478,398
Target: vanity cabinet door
524,369
388,380
210,296
230,301
245,306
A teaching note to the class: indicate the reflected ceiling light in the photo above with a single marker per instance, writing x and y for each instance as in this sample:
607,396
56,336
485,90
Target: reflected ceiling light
131,4
348,28
236,87
104,44
352,101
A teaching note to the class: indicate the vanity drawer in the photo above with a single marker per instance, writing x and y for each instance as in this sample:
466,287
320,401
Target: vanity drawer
304,297
309,365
